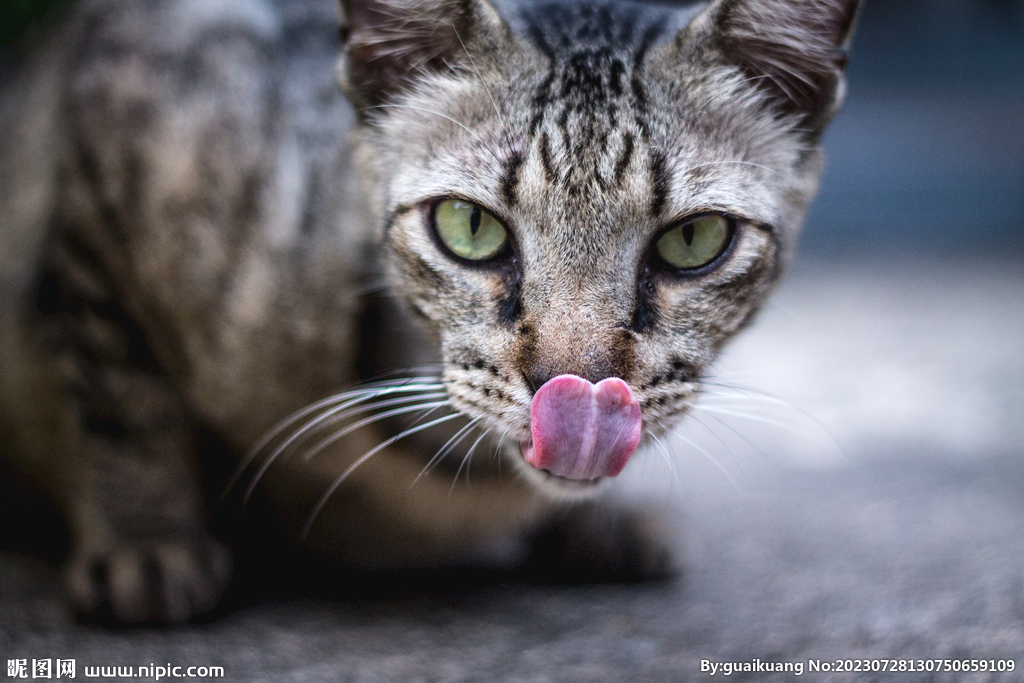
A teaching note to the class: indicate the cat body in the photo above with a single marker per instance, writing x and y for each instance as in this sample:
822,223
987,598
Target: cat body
204,236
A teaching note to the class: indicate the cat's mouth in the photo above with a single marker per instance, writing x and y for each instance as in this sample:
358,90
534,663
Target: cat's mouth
565,485
526,448
582,432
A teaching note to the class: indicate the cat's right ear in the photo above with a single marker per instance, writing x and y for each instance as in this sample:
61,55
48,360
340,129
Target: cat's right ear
792,51
389,45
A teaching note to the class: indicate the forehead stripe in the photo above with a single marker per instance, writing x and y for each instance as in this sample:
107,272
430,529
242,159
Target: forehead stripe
510,179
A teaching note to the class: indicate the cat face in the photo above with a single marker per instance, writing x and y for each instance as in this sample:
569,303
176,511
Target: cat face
608,192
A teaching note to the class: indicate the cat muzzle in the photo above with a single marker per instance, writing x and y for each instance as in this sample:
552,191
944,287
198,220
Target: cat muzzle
582,430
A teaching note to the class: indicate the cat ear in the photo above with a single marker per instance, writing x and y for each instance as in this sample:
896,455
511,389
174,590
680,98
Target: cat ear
794,50
388,44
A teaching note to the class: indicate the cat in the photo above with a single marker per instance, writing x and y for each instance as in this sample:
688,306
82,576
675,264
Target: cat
512,240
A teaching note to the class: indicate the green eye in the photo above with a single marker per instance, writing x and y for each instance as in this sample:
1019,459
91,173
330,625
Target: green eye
469,231
694,244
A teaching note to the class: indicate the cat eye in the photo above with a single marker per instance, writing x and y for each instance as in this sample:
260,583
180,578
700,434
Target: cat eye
695,243
469,231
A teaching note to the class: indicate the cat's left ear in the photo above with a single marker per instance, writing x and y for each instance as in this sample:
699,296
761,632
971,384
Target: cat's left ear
388,45
793,51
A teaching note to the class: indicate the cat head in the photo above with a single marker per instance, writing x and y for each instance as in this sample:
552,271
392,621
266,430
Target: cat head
588,190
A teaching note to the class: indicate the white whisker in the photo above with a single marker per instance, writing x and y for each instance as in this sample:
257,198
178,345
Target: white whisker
369,288
429,407
334,415
731,429
734,162
337,415
497,112
820,435
667,457
464,463
718,438
743,415
501,439
497,450
366,391
369,390
363,458
709,457
429,371
745,392
461,125
445,449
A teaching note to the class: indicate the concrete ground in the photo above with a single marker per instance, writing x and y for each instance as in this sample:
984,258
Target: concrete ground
853,488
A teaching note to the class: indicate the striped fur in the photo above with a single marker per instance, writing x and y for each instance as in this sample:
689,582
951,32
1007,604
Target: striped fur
203,236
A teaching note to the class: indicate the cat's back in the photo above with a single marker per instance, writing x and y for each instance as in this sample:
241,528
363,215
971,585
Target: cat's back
191,158
105,87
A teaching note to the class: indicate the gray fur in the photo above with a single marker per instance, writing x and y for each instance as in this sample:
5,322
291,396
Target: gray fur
201,234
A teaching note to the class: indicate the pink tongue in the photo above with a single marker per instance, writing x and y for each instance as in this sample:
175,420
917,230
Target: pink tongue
582,430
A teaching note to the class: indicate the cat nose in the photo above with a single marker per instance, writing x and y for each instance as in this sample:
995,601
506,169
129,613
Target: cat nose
562,345
543,371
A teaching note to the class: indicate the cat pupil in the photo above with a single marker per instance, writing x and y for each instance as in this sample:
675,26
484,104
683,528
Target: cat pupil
474,221
688,234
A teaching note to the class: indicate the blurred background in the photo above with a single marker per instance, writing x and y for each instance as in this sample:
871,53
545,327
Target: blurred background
928,152
852,484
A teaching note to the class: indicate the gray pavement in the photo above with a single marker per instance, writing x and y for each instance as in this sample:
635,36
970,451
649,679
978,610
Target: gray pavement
853,489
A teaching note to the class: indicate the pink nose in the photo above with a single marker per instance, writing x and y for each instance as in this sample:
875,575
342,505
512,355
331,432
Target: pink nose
582,430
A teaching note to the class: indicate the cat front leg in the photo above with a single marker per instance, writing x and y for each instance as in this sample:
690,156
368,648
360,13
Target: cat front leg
140,550
123,457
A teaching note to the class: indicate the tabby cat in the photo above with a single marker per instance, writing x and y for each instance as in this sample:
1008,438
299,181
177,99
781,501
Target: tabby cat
423,318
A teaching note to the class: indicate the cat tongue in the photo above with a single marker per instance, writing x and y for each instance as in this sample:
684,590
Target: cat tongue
582,430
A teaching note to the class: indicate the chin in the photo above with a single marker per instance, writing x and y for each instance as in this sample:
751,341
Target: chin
554,487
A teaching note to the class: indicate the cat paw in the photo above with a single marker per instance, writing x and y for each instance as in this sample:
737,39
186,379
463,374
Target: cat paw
152,581
604,545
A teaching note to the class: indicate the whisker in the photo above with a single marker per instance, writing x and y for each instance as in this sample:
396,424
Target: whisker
501,439
497,449
715,434
426,415
337,415
445,449
369,288
465,460
709,457
667,457
366,391
505,129
461,125
734,162
823,437
330,417
477,443
427,370
734,431
744,392
746,416
800,422
429,407
363,458
369,390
